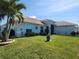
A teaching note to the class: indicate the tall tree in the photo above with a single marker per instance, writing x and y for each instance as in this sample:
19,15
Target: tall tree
11,9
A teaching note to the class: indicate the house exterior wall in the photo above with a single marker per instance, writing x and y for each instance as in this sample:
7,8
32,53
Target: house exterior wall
64,30
20,29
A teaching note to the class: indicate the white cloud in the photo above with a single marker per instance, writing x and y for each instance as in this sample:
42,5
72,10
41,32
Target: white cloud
32,16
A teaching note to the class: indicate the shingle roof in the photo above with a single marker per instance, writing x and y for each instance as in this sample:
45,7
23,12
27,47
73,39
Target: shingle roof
64,23
32,20
48,20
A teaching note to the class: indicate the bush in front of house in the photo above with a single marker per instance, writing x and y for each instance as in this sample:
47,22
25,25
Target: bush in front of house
73,33
30,34
42,33
36,34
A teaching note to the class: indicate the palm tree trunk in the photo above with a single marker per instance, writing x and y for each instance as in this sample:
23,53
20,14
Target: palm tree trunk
6,31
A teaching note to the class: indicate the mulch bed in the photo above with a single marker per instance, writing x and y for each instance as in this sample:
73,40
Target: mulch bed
7,42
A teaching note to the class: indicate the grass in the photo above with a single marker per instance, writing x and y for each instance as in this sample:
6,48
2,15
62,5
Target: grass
61,47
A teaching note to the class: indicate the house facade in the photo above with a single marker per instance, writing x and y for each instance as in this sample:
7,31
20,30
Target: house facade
37,26
29,25
64,29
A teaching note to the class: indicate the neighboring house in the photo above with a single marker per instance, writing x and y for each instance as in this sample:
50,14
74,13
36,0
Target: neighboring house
37,26
77,30
64,28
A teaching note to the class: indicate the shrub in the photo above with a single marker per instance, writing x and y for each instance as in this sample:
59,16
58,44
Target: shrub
36,33
42,33
73,33
30,34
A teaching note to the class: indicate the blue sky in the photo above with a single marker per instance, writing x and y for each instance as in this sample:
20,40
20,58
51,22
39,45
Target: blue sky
59,10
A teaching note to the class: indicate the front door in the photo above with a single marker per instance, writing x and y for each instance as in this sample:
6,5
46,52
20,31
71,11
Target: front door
41,29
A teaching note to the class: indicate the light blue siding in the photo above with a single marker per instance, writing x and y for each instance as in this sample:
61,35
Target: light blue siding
20,29
64,30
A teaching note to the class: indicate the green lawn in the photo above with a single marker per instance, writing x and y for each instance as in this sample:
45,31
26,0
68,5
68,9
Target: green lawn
61,47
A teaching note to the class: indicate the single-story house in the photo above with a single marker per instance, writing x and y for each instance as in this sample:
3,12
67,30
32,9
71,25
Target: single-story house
49,26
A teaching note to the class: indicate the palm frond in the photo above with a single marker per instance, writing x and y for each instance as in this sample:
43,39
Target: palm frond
13,1
20,17
11,8
20,6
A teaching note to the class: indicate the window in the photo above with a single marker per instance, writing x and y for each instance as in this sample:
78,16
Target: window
41,29
36,27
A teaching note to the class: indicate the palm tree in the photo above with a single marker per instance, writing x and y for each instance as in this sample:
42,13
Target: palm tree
11,9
